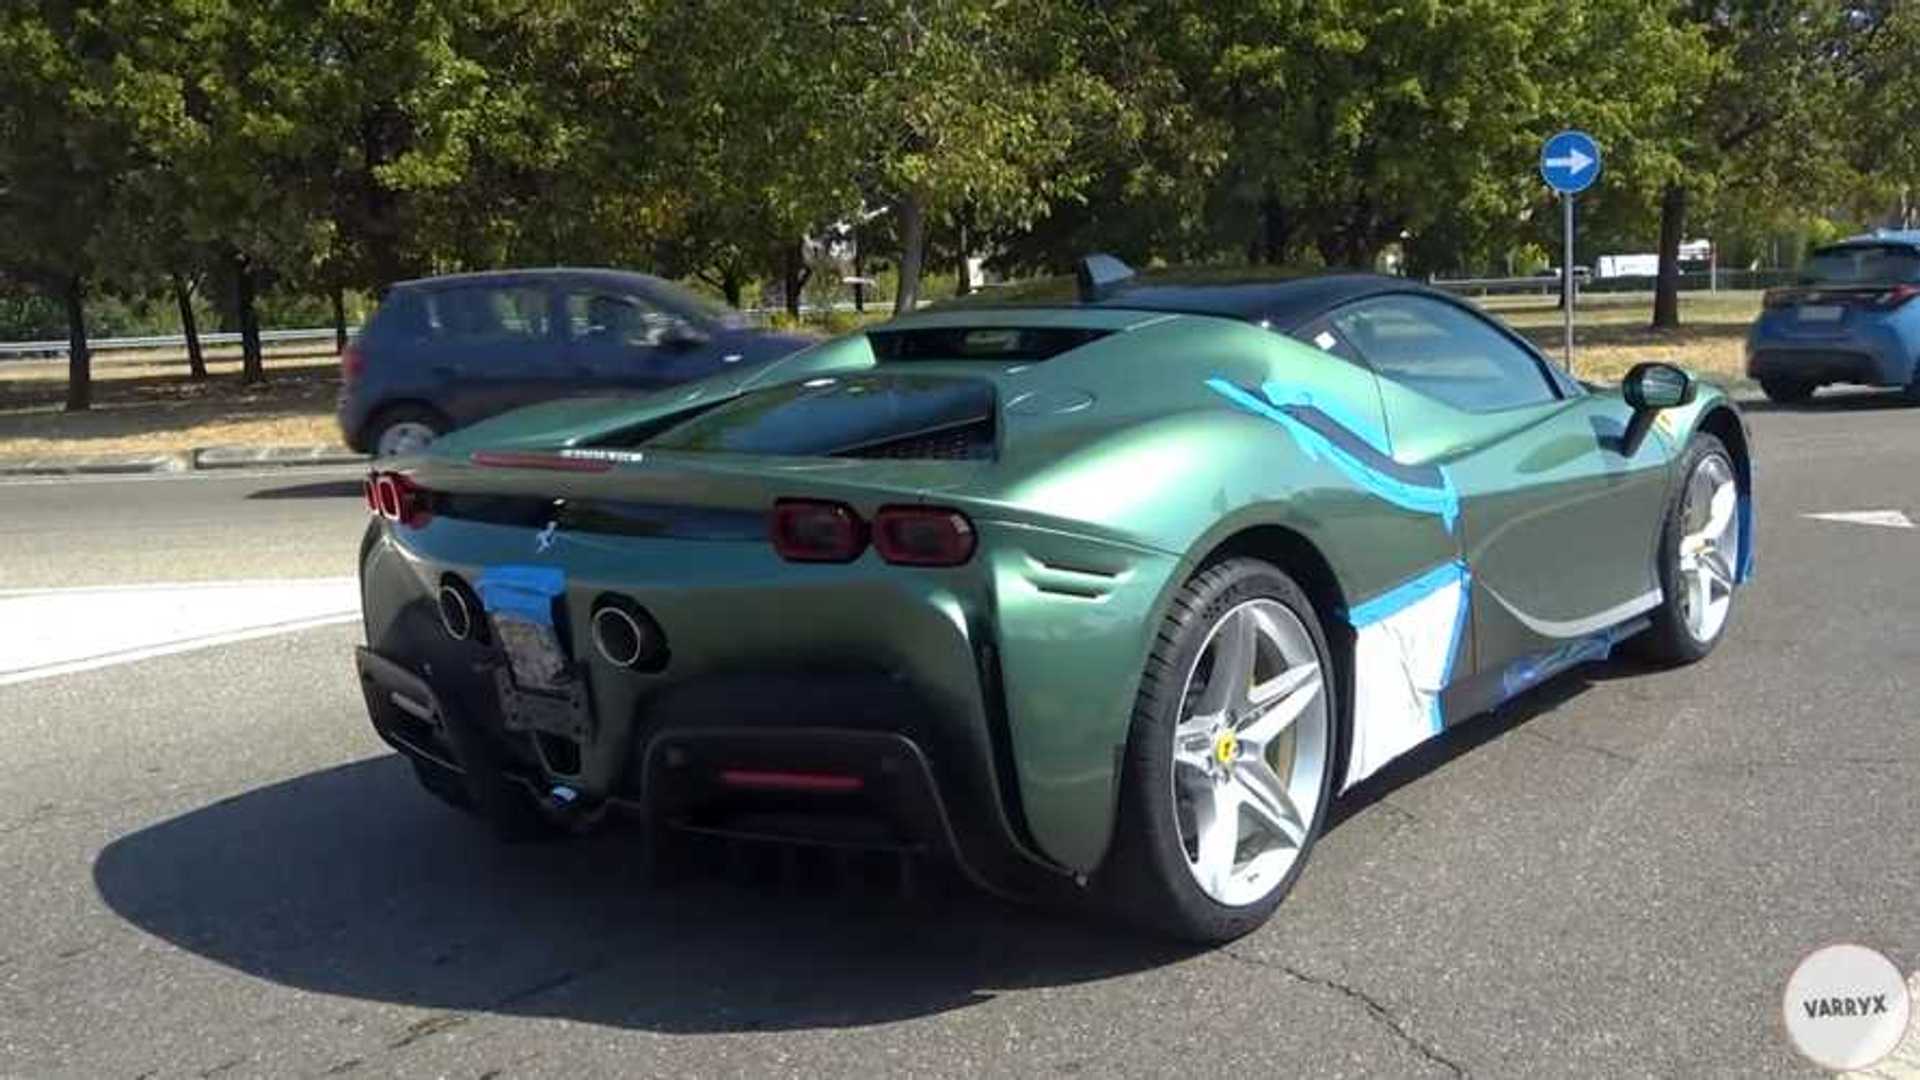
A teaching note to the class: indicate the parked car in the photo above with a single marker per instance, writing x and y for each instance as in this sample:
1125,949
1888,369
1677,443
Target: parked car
1106,597
1852,319
444,352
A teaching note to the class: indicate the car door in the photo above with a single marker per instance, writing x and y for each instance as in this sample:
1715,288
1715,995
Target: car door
1558,524
630,341
492,346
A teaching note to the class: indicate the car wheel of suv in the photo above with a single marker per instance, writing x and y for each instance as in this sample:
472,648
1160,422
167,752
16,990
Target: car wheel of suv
1786,391
405,429
1229,767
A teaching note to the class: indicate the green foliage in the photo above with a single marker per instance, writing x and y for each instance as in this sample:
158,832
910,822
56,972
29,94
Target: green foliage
310,145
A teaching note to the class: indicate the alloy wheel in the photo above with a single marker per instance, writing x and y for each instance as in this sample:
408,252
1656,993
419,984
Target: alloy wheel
1250,752
1709,545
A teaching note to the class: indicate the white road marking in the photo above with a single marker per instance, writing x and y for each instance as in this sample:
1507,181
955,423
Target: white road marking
292,474
49,632
1890,519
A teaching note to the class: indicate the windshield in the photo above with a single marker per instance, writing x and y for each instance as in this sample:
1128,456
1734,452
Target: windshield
1866,264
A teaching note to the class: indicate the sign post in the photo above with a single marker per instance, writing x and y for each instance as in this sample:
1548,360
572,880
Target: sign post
1569,163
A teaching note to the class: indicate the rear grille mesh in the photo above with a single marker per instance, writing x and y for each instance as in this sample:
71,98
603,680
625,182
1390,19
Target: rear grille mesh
968,442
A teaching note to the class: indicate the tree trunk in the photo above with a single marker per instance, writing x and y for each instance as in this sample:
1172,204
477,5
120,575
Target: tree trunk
189,327
794,275
963,281
1275,230
731,285
1666,289
913,252
338,293
79,358
252,363
859,274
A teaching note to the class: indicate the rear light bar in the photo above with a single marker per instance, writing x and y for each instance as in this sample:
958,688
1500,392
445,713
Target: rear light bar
397,498
818,530
771,780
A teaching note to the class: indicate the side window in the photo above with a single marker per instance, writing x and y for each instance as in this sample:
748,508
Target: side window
615,319
1445,353
1323,335
486,315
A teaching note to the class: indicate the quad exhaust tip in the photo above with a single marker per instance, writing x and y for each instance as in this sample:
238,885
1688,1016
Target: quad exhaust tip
626,636
618,636
460,612
455,616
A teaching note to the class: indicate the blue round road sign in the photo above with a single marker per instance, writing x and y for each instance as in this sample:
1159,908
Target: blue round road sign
1570,161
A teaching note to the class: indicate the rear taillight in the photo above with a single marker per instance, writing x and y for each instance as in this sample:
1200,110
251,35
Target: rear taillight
809,530
397,498
352,363
1897,295
923,536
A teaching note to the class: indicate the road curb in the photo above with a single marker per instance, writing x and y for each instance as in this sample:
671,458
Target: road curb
247,457
199,459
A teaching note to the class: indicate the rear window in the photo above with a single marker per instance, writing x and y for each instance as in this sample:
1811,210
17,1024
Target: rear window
1864,264
865,415
467,315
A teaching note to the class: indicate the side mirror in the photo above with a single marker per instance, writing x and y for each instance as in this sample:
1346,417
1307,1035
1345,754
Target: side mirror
1655,386
1649,388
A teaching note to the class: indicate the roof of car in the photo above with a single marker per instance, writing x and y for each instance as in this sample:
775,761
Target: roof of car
1284,302
1904,237
546,273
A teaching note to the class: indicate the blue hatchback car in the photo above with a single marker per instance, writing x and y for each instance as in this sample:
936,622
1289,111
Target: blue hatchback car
1851,320
444,352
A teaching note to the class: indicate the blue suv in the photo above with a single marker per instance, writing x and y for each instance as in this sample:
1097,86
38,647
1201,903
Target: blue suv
444,352
1851,320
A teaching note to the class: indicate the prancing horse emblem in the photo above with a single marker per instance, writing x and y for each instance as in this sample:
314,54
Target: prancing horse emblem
546,538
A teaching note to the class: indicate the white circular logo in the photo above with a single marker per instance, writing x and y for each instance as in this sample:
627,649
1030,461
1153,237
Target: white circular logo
1846,1007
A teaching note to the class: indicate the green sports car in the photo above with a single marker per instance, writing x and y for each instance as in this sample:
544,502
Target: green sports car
1103,591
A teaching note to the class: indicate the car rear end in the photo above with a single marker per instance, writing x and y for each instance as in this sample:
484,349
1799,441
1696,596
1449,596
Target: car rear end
774,619
1853,320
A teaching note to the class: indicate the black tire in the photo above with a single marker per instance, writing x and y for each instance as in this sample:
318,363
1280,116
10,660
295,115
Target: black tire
405,413
1146,878
1787,391
1668,641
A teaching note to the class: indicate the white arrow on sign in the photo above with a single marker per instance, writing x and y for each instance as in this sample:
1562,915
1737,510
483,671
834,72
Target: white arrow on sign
1886,519
1575,162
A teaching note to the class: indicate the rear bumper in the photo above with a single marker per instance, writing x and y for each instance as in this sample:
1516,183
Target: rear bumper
1823,365
853,761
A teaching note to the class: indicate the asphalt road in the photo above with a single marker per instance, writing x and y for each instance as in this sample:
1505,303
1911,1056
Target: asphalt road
210,867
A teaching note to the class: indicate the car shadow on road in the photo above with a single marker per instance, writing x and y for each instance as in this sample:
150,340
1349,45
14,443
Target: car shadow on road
350,881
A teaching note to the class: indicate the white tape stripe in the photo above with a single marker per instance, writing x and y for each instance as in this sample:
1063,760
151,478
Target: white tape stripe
1572,628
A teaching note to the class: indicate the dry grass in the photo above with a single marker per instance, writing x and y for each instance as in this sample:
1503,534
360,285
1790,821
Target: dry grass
1611,333
150,405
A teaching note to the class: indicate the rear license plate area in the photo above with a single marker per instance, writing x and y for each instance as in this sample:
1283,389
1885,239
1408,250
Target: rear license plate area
1820,313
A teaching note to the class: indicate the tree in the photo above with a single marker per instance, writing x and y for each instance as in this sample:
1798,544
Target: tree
61,154
966,105
1771,113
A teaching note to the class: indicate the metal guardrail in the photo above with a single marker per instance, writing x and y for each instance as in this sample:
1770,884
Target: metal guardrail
27,350
1549,284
